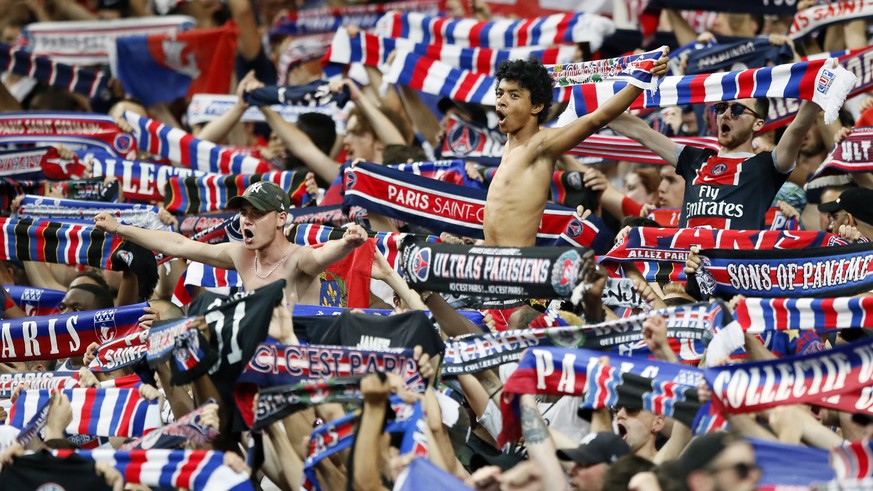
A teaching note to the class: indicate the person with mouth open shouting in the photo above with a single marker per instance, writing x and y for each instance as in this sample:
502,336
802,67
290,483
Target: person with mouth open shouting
517,195
731,188
265,254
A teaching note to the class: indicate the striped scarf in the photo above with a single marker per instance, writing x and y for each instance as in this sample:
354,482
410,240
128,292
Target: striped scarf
100,412
313,94
813,81
60,336
189,469
24,164
313,21
551,30
140,181
564,371
859,62
373,50
123,351
73,130
758,315
185,429
818,17
476,352
852,155
853,460
14,59
455,209
178,146
822,271
37,208
188,195
35,301
660,253
807,379
36,423
60,243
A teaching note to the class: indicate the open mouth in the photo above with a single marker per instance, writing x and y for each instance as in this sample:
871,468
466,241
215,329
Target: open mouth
248,235
622,430
501,118
725,128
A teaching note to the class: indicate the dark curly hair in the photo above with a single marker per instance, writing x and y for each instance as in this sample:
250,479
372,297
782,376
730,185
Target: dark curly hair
531,75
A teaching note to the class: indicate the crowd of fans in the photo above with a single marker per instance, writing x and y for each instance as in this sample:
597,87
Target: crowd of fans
294,370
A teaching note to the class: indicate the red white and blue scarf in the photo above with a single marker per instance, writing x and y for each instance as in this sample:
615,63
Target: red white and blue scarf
73,130
60,336
36,381
35,301
635,69
100,412
189,469
187,195
758,315
60,243
852,155
79,211
140,181
330,19
186,150
550,30
812,19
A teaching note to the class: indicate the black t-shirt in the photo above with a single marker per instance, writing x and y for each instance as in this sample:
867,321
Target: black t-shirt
726,192
73,473
379,332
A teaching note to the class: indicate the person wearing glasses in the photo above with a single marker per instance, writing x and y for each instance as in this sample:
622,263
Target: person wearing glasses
719,461
731,188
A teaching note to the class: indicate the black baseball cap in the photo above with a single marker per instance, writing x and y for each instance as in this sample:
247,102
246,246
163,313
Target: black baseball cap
264,196
857,201
703,450
596,448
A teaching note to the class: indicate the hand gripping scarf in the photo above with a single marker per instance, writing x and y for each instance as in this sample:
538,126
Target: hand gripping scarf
809,379
178,146
140,181
815,81
476,352
451,208
36,381
187,428
373,50
209,107
100,412
189,469
852,155
61,336
38,163
15,59
823,271
78,211
187,195
313,21
313,94
73,130
500,272
275,403
562,371
817,17
660,253
88,42
123,351
635,69
541,31
37,422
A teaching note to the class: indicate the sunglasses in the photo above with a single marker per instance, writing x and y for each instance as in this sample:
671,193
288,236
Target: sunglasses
743,469
736,109
630,411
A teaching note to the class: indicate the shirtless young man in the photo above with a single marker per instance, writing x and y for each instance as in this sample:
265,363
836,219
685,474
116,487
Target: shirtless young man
264,256
517,195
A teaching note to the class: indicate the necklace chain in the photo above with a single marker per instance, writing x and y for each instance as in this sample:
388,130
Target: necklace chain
281,261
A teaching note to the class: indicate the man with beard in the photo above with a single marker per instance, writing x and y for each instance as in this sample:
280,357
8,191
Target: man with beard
731,188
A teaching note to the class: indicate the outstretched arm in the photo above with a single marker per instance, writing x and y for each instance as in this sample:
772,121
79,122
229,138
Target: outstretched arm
169,243
560,140
636,129
314,261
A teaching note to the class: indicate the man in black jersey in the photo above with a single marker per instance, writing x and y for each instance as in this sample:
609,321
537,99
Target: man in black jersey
731,188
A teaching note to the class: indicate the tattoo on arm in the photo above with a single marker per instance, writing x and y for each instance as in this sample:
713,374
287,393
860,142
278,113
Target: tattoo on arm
532,426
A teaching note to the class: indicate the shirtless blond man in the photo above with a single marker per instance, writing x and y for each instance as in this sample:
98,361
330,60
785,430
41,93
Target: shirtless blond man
265,254
517,195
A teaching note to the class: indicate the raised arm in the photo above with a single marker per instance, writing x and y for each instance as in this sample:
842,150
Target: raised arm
169,243
789,145
301,146
540,446
314,261
558,141
636,129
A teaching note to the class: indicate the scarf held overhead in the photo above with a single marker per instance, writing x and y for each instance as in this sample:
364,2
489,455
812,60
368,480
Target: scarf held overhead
15,59
77,130
757,315
312,21
68,210
140,180
451,208
203,194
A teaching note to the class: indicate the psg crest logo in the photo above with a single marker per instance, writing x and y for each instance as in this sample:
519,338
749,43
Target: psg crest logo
421,264
463,139
351,179
719,169
574,228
